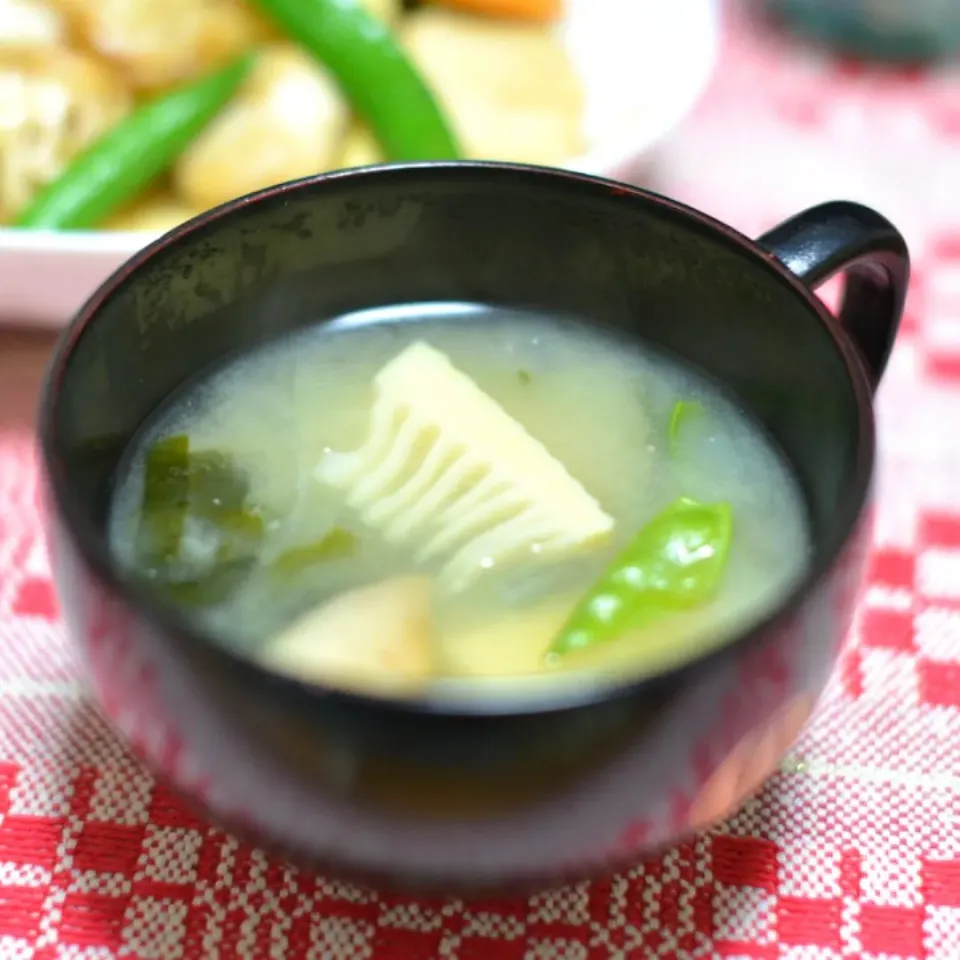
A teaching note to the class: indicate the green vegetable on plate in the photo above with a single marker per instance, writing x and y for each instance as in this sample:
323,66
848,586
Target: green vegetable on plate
674,563
117,166
375,74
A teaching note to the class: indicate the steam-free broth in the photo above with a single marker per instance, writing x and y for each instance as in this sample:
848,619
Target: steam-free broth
458,500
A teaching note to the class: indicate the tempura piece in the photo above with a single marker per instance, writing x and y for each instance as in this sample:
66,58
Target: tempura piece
286,122
510,88
28,25
53,103
448,473
359,148
155,213
375,639
156,43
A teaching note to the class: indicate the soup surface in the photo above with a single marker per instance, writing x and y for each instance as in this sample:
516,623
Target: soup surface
452,497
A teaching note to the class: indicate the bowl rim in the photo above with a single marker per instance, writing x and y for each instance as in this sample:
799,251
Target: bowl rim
602,162
91,543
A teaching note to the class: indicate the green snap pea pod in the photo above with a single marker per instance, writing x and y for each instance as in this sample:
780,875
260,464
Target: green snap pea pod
674,563
374,73
117,166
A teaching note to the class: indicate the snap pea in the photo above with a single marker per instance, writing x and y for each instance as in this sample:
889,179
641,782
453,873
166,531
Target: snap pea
117,166
674,563
374,73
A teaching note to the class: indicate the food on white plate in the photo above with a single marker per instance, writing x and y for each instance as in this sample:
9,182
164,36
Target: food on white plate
337,83
540,11
53,102
157,43
29,24
158,211
387,10
510,88
528,109
287,121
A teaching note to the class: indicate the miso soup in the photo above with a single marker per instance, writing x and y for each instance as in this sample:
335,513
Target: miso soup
459,498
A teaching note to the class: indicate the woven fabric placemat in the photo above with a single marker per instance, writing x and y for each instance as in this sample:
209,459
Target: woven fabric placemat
852,850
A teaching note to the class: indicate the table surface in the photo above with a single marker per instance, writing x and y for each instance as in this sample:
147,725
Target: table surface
852,850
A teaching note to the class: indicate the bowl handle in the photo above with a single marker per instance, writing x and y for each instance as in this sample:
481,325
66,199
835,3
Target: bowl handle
847,237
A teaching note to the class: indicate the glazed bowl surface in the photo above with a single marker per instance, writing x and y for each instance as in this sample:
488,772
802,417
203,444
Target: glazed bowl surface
513,791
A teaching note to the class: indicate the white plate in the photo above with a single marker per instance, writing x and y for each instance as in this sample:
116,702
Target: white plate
644,64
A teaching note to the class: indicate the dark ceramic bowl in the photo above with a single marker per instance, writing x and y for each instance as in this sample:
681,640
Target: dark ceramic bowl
499,794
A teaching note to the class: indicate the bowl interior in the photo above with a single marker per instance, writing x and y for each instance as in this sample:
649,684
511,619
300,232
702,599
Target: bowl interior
491,234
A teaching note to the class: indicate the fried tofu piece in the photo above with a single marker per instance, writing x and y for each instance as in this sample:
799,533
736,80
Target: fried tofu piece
53,103
510,88
373,639
387,10
157,212
156,43
29,25
287,121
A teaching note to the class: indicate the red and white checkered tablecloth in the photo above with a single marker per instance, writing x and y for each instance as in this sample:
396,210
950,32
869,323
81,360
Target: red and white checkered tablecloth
852,851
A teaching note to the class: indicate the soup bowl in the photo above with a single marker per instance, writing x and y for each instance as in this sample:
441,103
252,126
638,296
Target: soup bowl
500,792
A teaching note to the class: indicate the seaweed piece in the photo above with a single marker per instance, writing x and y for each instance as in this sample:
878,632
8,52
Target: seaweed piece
211,588
166,500
337,544
204,488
